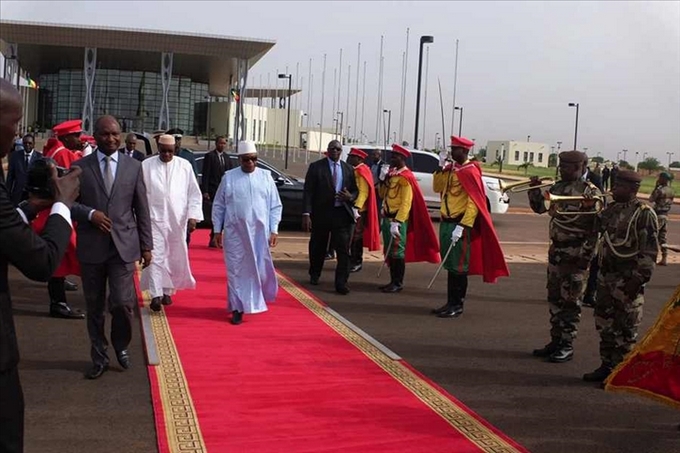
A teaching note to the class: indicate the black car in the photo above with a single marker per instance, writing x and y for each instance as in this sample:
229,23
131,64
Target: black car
290,190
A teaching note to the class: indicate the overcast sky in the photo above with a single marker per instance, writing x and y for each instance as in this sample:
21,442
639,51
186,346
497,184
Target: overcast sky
520,63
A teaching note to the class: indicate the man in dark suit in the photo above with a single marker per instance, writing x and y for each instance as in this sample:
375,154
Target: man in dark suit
35,256
111,237
330,189
130,149
215,163
17,172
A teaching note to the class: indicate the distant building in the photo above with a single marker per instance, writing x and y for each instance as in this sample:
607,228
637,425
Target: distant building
517,153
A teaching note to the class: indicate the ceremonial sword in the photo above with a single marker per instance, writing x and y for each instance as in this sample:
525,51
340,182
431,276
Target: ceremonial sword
387,251
439,269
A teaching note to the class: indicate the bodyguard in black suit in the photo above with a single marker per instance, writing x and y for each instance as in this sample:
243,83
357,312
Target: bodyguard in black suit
330,189
130,149
35,256
17,172
215,163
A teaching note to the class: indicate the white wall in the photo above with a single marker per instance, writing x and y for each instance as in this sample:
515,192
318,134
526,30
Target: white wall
516,153
317,141
264,125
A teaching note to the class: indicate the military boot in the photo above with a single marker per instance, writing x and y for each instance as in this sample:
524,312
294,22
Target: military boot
563,353
589,299
460,290
450,294
547,350
397,270
599,375
664,258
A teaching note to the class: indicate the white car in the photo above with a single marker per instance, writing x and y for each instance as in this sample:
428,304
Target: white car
424,164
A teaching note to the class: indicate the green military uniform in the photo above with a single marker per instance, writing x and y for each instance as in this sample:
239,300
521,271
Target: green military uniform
627,254
189,155
573,242
662,199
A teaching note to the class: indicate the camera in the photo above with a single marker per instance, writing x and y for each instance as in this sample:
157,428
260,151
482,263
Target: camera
39,177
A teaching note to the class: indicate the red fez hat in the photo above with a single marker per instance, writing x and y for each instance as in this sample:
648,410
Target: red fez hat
357,152
401,150
461,142
87,138
68,127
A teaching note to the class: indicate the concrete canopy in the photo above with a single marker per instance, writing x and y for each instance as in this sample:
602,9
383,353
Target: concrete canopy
46,48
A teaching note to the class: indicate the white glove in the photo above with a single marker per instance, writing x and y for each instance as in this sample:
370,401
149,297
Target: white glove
394,229
457,234
442,158
356,214
383,172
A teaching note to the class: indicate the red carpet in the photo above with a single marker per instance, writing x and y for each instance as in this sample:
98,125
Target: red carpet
286,382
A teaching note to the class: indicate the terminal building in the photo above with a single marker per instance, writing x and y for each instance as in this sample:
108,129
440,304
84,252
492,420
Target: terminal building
149,80
517,153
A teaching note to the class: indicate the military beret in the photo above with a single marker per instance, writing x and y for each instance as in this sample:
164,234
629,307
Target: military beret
665,174
628,176
573,157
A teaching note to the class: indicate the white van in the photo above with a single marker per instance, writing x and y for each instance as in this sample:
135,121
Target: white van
424,164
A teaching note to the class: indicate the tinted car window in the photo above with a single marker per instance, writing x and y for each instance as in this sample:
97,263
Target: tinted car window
423,163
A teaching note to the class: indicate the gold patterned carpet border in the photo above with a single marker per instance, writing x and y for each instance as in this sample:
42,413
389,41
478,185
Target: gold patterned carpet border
182,430
475,431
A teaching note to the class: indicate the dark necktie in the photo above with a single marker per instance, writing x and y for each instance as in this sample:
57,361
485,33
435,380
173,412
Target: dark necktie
28,158
335,175
223,163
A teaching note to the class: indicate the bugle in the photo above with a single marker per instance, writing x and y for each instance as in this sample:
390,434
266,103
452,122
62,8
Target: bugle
525,184
552,200
670,247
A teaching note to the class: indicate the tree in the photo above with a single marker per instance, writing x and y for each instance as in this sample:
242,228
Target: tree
675,164
651,164
597,160
525,166
499,162
552,160
625,165
481,153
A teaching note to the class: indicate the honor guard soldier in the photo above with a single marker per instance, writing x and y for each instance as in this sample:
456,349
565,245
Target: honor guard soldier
662,199
366,230
408,234
628,251
573,240
469,245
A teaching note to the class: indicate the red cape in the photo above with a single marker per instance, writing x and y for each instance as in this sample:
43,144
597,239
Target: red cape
486,255
64,158
422,243
372,228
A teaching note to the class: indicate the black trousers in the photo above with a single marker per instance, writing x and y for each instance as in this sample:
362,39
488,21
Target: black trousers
357,246
11,412
56,288
339,226
122,299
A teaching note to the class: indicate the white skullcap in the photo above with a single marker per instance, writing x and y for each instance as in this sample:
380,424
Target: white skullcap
246,147
166,139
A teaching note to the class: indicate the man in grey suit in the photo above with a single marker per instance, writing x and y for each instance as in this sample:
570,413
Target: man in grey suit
112,236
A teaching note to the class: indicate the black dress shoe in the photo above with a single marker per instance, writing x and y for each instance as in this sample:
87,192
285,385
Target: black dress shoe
313,280
96,371
166,300
442,309
599,375
70,286
329,256
588,301
452,312
393,288
63,311
381,287
123,358
563,354
344,290
156,303
236,317
546,350
356,268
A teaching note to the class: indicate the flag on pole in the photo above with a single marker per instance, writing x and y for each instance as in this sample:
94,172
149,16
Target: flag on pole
652,369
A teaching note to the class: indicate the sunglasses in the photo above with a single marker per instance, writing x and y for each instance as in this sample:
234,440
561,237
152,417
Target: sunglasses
335,149
249,159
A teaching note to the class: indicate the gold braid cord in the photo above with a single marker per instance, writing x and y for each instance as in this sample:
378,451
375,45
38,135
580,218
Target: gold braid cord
182,430
476,432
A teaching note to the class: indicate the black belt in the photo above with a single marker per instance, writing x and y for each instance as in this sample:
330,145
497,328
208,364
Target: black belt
390,216
452,219
573,243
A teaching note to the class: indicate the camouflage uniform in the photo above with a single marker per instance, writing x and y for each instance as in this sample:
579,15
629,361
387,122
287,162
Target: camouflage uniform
573,240
627,253
662,198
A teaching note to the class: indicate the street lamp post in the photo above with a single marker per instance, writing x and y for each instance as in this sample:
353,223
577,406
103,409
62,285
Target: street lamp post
423,40
460,121
290,81
669,159
436,141
557,159
528,138
624,151
342,122
571,104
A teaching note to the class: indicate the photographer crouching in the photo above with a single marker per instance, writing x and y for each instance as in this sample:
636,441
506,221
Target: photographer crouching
35,256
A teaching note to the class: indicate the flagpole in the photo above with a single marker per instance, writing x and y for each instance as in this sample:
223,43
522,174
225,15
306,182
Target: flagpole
363,104
356,92
379,103
323,87
335,80
427,70
455,82
403,92
349,77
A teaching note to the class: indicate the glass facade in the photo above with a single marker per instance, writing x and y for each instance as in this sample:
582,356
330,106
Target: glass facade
134,97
